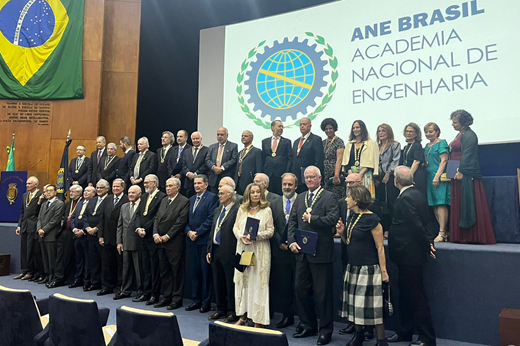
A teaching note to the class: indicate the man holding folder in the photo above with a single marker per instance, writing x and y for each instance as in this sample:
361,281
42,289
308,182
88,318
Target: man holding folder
314,213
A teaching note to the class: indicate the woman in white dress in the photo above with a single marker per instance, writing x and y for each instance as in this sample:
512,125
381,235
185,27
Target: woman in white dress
252,285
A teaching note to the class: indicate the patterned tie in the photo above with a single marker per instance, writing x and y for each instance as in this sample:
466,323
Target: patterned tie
219,155
311,197
195,154
132,209
196,203
300,146
219,223
116,199
98,156
287,209
179,153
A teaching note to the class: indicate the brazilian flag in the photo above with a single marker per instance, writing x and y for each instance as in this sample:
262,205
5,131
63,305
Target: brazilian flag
41,45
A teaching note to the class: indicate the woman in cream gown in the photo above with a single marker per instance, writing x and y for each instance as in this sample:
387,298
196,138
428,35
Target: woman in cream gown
252,285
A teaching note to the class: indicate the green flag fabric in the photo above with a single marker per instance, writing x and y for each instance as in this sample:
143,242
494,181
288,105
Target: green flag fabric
10,158
41,43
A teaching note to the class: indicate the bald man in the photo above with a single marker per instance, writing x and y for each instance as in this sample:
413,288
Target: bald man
221,159
249,162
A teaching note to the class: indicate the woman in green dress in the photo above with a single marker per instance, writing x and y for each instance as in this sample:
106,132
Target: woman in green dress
439,193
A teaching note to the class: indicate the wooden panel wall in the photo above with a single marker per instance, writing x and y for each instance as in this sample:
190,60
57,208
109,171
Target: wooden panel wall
110,65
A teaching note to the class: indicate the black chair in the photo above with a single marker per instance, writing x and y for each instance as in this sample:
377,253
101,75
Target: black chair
222,334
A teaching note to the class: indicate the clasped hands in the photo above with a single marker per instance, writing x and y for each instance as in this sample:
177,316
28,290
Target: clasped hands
192,235
160,239
246,239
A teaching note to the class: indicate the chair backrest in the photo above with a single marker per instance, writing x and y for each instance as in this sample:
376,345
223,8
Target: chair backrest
221,334
73,321
20,318
145,328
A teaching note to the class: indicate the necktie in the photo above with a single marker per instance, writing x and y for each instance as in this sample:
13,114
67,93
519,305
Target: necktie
137,165
72,208
195,154
48,204
170,201
219,223
83,207
132,209
97,205
275,144
79,162
311,197
300,146
287,209
179,153
98,156
30,197
196,203
116,199
219,155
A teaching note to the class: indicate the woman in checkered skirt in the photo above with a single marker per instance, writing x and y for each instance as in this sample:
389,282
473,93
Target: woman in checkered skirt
366,268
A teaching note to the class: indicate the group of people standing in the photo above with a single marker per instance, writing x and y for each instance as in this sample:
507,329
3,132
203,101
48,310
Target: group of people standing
146,221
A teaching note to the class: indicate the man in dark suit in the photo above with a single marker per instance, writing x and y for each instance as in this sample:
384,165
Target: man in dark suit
316,211
176,156
79,224
193,163
144,163
30,255
65,241
221,251
112,262
276,156
221,159
78,168
48,225
168,234
108,166
307,151
249,163
409,244
123,169
95,250
150,202
129,245
202,207
163,155
96,161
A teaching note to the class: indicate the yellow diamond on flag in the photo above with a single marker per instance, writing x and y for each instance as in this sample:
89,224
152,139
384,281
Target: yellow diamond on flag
30,30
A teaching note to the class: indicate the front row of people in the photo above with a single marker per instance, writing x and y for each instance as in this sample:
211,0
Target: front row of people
155,238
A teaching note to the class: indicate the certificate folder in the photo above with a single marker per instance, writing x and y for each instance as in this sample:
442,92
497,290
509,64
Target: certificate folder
451,169
252,225
307,241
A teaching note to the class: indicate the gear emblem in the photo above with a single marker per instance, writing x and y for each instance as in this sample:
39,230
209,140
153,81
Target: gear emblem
286,79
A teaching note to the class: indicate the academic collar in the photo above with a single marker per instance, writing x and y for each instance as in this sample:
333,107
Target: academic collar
81,157
306,136
144,152
315,191
120,195
154,192
52,200
229,206
223,144
249,146
404,189
102,198
167,147
127,150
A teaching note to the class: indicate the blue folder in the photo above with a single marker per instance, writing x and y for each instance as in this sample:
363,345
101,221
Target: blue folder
307,240
451,168
252,226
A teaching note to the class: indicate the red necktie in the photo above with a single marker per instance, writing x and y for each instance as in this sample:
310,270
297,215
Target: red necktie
275,142
98,156
300,146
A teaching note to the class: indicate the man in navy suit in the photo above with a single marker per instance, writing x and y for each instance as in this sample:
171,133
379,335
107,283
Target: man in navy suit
163,155
123,168
202,207
97,158
249,163
194,162
108,166
276,156
143,163
78,168
221,159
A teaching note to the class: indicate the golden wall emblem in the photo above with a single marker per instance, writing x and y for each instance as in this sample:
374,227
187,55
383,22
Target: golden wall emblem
12,193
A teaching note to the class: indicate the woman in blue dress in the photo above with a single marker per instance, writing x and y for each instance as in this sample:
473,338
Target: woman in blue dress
439,193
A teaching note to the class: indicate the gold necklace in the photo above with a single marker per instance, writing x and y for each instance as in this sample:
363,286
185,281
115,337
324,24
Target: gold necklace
357,155
79,166
351,226
405,160
307,208
108,161
163,156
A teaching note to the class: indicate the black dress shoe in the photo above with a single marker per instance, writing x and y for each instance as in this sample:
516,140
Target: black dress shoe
152,301
349,329
48,283
93,288
396,338
105,291
161,303
121,296
55,284
323,340
192,306
299,328
43,280
204,309
216,316
76,284
174,306
141,298
19,276
285,322
304,334
418,343
232,318
35,278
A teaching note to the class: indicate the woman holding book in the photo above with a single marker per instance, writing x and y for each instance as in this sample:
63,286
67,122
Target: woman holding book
366,268
252,285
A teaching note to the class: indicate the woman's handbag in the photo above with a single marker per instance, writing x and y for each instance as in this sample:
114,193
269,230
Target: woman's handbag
444,178
388,308
247,258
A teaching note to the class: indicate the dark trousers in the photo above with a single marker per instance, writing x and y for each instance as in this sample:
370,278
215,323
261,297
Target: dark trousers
64,255
131,269
281,285
81,255
314,288
223,280
48,249
173,264
24,258
414,311
112,264
30,254
95,251
151,276
200,274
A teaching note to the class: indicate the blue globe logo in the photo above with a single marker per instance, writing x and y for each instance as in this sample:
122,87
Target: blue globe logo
27,23
286,79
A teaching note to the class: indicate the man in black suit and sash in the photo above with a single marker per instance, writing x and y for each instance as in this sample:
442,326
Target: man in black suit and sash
276,156
144,163
222,245
78,168
97,159
307,151
148,207
194,163
108,165
163,155
249,163
123,169
409,243
30,255
168,235
221,159
316,211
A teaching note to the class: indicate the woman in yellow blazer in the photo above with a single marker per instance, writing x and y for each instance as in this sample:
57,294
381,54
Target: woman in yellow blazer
362,156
